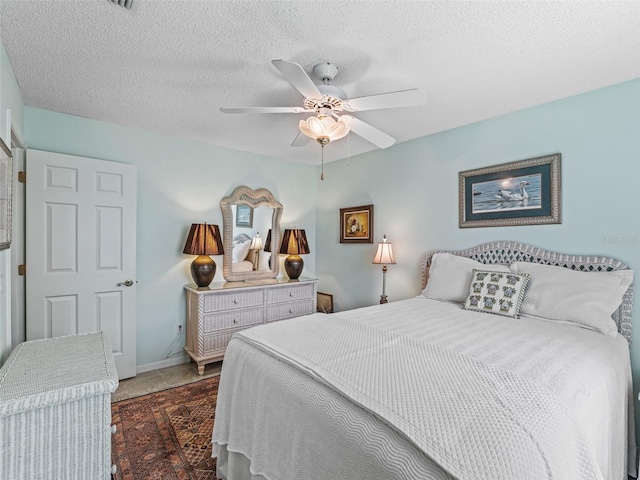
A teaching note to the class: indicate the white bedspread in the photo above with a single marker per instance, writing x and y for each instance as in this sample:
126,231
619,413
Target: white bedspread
242,266
475,395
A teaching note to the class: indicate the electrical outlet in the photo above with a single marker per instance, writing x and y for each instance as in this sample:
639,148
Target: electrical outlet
179,329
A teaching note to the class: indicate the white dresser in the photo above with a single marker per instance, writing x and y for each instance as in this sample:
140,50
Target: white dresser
55,409
215,313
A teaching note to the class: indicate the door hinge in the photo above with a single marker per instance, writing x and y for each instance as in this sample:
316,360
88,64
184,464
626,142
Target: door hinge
22,177
22,270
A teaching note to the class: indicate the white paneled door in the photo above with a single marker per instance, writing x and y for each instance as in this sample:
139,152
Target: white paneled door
81,251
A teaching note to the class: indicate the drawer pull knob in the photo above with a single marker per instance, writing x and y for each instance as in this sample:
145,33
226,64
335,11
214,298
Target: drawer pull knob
235,320
235,302
290,310
113,429
291,294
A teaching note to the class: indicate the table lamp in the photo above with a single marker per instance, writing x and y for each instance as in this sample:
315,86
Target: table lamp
294,243
384,257
203,240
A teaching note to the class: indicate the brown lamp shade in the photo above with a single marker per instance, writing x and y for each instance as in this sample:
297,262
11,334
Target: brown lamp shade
294,242
203,239
267,242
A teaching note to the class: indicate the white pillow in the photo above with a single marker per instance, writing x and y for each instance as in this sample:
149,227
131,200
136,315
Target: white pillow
585,298
240,251
450,276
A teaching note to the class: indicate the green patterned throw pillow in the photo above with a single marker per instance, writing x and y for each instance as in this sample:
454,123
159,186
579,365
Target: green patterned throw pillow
496,292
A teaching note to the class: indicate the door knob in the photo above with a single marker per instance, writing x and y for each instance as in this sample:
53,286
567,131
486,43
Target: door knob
126,283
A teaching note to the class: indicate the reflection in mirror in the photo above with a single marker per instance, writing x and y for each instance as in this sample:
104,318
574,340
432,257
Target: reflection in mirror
243,239
267,248
256,246
247,257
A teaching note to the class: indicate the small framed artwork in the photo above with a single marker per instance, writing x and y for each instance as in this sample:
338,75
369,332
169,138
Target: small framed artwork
6,191
526,192
356,224
325,303
244,216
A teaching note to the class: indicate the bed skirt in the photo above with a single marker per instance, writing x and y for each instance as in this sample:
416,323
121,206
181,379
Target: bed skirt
234,466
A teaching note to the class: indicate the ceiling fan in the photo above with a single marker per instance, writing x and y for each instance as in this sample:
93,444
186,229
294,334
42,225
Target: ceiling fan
328,102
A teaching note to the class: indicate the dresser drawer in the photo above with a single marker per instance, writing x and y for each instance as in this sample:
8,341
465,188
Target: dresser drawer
233,300
289,310
217,341
232,319
290,293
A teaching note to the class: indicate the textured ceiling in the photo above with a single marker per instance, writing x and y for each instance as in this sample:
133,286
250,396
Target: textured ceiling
168,66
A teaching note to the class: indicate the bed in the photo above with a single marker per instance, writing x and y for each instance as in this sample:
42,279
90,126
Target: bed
424,389
242,256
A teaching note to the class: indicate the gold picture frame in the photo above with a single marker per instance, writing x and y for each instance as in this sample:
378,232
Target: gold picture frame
356,224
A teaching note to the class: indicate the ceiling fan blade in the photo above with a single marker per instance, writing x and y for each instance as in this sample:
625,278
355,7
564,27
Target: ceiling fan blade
372,134
297,77
403,98
300,141
264,110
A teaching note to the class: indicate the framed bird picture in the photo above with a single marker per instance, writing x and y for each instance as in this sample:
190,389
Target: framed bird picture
244,216
526,192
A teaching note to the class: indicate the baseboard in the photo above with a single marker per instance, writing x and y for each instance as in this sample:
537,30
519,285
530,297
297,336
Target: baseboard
169,362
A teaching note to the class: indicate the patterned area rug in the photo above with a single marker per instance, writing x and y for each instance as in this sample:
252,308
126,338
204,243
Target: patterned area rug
166,435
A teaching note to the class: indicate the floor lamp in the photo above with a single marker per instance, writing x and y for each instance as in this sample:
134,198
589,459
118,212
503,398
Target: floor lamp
256,246
384,257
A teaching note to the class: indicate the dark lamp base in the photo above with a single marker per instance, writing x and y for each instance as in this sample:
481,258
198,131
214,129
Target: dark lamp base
203,269
293,265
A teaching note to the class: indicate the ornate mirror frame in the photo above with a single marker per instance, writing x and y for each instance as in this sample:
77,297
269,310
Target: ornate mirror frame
244,195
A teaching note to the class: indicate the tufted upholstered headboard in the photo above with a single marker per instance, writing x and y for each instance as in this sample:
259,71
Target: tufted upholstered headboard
509,252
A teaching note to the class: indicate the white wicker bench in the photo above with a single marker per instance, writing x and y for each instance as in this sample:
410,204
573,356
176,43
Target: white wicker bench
55,409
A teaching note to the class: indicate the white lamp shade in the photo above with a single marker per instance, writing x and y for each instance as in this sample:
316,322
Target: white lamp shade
384,254
256,243
324,127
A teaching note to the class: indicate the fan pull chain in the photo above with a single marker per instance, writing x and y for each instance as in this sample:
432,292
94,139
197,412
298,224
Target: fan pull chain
349,149
322,172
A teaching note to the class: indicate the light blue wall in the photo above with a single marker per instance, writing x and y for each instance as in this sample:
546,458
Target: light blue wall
414,189
179,183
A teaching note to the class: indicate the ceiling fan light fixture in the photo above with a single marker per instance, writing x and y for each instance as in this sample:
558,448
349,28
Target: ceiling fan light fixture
327,101
324,129
123,3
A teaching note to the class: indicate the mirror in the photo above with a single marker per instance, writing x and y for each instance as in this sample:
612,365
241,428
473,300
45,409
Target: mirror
246,213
